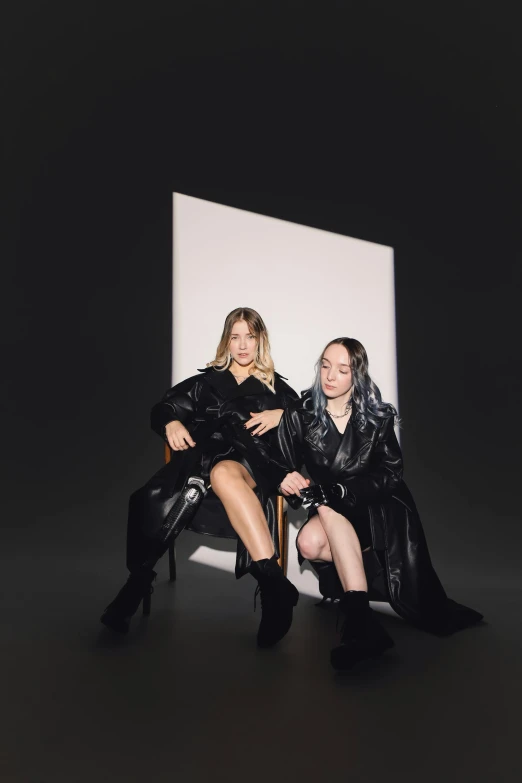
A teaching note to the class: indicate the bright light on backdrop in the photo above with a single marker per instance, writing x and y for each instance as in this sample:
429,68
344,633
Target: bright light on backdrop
309,286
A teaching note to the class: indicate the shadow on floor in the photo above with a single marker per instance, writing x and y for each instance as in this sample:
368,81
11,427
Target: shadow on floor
187,695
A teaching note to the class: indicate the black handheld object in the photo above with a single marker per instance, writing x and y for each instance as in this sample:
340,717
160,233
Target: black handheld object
324,494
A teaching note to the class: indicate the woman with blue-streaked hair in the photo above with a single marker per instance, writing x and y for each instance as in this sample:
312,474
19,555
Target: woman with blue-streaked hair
363,534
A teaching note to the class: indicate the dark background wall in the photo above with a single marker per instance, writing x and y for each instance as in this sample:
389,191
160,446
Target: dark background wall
396,123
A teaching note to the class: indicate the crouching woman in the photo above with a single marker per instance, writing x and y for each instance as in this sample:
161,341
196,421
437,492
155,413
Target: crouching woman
363,534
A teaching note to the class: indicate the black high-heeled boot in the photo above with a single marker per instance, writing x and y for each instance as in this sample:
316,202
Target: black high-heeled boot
278,598
143,557
118,614
362,635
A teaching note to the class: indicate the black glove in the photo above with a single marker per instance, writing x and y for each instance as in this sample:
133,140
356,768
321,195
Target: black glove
324,495
294,501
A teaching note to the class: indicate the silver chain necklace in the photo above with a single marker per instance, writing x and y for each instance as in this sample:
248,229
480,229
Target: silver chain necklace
341,415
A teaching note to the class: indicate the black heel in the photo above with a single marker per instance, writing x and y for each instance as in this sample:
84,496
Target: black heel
147,603
137,589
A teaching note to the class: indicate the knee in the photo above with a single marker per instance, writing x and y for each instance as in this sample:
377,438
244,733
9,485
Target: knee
311,544
222,473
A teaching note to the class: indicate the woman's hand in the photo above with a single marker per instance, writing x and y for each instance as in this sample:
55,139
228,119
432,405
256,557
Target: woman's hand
264,421
326,495
178,436
292,483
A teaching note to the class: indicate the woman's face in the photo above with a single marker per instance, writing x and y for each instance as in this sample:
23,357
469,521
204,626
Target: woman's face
243,344
336,373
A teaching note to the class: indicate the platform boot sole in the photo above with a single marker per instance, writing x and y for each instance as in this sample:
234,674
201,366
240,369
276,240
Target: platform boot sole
344,660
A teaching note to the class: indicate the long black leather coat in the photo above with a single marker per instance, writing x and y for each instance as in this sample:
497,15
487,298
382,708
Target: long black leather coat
214,408
367,459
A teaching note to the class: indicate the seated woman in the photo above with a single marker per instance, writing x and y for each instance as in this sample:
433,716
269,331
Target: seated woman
363,529
221,427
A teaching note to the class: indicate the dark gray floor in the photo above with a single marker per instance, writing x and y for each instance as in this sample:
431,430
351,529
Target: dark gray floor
188,697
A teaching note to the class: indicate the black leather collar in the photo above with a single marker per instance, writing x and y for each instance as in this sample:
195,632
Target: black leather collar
305,407
227,386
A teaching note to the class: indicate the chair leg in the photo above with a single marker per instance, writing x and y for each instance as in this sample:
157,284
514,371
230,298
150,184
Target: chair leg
284,545
172,562
282,530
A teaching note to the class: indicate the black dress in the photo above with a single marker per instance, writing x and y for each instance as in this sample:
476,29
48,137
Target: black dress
359,516
214,408
367,459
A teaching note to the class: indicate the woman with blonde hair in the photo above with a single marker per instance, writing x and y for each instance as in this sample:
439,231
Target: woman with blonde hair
220,426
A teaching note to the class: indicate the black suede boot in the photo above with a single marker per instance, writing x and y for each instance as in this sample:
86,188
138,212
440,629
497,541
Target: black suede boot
278,598
330,585
362,635
118,614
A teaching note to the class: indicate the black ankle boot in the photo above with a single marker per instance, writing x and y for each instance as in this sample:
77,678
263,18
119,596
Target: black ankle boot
278,598
362,635
118,614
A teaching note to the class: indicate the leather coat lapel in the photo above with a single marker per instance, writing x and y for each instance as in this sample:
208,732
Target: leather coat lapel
313,431
226,385
313,436
348,448
354,439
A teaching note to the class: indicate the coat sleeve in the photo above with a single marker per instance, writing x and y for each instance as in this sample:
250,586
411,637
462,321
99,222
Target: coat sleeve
385,472
288,452
274,465
177,404
288,395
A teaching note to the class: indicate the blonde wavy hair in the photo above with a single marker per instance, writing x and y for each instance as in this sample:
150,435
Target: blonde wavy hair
263,364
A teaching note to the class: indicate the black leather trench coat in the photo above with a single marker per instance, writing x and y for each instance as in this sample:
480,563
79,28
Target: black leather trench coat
367,459
214,408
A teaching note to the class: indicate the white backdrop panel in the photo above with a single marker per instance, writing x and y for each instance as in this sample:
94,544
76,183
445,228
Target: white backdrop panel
308,285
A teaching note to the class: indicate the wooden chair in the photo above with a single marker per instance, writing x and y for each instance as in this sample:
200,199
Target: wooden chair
282,531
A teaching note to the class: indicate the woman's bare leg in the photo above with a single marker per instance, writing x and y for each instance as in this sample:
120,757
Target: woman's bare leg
330,536
234,486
